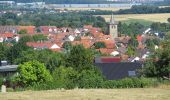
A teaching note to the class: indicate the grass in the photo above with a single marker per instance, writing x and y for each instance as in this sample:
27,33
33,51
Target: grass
146,17
91,94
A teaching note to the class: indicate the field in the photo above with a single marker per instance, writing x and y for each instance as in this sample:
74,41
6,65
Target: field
91,94
140,17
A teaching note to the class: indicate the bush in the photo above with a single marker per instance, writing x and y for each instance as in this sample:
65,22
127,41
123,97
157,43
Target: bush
32,72
1,80
66,77
130,83
90,79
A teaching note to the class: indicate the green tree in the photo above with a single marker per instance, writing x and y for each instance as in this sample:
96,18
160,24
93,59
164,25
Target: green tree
79,58
90,79
160,67
39,37
22,32
67,45
3,51
100,45
131,51
33,72
67,77
169,20
15,51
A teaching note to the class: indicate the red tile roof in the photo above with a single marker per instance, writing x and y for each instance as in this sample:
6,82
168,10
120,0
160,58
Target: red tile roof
30,29
105,50
47,45
8,35
139,38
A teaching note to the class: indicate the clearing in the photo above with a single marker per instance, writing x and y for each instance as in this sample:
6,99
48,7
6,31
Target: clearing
91,94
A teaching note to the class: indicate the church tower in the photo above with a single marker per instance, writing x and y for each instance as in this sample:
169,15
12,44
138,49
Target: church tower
113,27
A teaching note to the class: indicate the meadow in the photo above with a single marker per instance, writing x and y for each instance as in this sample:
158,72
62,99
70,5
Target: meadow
91,94
140,17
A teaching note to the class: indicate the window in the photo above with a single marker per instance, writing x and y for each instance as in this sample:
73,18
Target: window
131,73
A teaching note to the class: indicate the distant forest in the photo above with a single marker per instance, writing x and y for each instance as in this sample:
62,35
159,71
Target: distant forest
65,1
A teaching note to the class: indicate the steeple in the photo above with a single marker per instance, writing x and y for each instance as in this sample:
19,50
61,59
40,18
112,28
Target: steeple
112,20
112,26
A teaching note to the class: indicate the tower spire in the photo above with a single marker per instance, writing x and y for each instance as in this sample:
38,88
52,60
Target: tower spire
112,19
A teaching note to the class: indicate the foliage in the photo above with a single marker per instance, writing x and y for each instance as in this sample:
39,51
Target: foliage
168,20
131,51
160,66
22,32
32,72
49,58
3,51
79,58
130,29
14,52
90,79
130,83
1,80
65,77
39,37
100,45
67,45
160,27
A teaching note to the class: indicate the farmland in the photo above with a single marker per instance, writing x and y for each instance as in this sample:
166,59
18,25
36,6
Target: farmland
147,17
91,94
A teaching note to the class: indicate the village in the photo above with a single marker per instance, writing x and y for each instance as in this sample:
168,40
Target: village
113,46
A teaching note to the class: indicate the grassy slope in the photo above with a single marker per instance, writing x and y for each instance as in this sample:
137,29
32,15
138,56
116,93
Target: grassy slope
91,94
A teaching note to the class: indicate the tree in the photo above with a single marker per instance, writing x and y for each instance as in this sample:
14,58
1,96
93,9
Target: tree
79,58
39,37
90,79
160,66
67,45
169,20
99,45
3,51
15,51
51,59
33,72
67,77
22,32
131,51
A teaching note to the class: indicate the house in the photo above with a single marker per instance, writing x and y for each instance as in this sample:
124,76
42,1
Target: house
8,37
49,29
119,70
44,45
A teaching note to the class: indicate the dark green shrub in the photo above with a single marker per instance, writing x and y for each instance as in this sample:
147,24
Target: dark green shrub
90,79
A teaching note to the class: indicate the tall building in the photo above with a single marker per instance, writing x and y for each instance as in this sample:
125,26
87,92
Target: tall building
113,27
